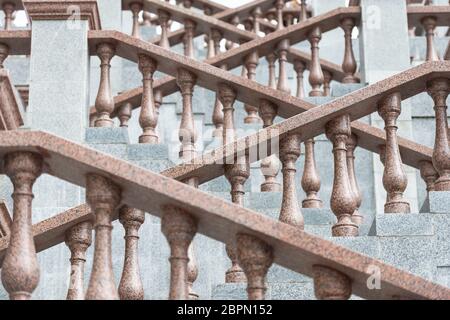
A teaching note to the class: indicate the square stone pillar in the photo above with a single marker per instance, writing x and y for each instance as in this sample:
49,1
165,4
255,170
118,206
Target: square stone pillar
384,30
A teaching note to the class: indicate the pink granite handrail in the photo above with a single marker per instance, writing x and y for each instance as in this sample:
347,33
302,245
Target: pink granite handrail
219,219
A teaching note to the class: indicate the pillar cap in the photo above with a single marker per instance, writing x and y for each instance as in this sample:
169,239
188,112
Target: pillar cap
61,10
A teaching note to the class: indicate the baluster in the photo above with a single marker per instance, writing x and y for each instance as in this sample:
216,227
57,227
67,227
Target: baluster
271,58
289,152
316,77
187,133
130,287
192,269
147,18
352,142
342,201
303,11
251,63
330,284
20,268
188,38
248,24
78,239
135,8
164,17
8,9
438,90
270,166
394,178
289,19
428,174
429,24
257,14
279,5
179,228
236,173
283,84
349,63
217,117
103,196
158,96
124,114
299,68
217,37
327,77
310,178
147,117
256,257
4,52
230,44
104,104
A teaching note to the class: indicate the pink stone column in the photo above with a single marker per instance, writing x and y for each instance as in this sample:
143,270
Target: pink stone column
20,269
179,228
103,196
330,284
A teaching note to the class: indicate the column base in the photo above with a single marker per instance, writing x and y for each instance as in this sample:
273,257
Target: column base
270,187
312,203
397,207
235,275
150,139
252,118
442,184
345,227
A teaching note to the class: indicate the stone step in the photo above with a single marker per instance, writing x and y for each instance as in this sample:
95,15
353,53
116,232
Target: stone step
407,224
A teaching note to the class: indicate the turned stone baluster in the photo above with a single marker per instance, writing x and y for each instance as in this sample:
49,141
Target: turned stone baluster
8,9
327,77
217,117
310,178
289,152
217,37
192,268
316,77
330,284
257,14
135,8
92,118
271,58
147,117
104,104
303,11
279,5
270,166
352,142
4,52
438,90
124,114
103,196
164,17
179,228
188,39
208,37
299,68
349,62
186,3
187,133
236,173
429,24
342,201
251,62
283,84
20,268
256,257
428,174
130,287
394,178
78,239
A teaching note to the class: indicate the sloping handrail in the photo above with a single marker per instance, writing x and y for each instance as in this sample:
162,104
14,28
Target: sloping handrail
220,220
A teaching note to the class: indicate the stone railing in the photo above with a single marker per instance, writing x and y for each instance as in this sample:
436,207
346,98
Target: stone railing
113,186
